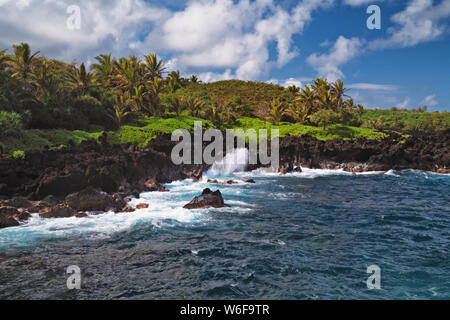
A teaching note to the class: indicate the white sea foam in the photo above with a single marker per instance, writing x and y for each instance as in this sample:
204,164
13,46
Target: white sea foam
306,173
391,173
232,162
165,210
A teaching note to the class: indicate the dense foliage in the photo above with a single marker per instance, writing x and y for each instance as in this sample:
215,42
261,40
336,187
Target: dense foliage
46,103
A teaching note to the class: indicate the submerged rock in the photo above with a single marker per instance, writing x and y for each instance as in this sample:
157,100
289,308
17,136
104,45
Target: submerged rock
207,199
215,181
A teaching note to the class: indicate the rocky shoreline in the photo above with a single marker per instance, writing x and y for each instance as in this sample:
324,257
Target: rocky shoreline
421,151
98,176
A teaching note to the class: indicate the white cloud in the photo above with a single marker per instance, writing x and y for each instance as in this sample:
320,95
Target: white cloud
372,86
298,81
219,34
404,104
328,65
233,35
430,101
293,82
106,26
359,2
419,22
215,76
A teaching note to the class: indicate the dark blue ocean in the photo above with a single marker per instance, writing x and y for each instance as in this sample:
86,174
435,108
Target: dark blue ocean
300,236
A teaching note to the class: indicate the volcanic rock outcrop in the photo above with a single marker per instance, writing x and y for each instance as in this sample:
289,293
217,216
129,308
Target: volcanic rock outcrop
207,199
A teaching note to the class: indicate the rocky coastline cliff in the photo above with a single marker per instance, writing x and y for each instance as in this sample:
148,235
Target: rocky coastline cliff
98,176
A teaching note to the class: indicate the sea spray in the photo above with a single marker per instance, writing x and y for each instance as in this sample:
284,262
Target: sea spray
213,152
235,161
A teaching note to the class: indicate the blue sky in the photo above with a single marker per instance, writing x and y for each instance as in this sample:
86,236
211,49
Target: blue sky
405,64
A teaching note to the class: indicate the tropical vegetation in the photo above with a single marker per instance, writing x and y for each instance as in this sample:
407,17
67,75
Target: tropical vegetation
47,103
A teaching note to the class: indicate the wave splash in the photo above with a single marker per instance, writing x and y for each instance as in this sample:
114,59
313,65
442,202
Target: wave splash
235,161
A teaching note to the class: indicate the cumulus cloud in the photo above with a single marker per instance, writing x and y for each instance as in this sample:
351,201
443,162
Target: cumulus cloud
298,81
421,21
235,36
328,64
404,104
216,76
430,101
106,25
225,34
293,82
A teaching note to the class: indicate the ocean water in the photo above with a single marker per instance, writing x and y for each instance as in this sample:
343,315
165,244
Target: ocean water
308,235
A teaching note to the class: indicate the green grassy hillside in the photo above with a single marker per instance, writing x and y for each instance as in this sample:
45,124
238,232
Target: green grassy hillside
406,119
144,130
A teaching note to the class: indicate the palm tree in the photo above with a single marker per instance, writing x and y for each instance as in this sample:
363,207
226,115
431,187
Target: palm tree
154,67
306,99
80,80
325,100
194,79
320,85
128,73
23,61
174,80
104,68
138,100
177,105
338,92
360,111
293,89
214,115
297,112
45,79
349,104
277,111
120,108
194,105
153,105
3,59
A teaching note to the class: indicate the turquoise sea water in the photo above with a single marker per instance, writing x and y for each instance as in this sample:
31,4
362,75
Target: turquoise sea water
300,236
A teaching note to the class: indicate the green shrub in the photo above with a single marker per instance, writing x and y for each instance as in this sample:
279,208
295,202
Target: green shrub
324,118
10,124
18,155
93,111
